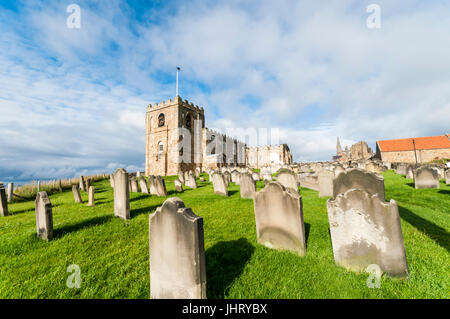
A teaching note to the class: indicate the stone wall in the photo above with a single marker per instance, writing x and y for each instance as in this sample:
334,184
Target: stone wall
423,156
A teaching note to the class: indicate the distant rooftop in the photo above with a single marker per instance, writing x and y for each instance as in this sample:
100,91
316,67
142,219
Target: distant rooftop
422,143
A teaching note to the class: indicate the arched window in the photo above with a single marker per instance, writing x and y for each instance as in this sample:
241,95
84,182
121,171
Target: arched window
160,147
188,121
161,120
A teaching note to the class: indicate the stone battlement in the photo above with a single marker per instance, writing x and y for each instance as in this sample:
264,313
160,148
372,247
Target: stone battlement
178,100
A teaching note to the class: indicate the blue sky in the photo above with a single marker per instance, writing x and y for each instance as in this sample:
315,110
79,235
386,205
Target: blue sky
72,101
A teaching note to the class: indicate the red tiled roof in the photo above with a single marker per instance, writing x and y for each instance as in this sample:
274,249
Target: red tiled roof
422,143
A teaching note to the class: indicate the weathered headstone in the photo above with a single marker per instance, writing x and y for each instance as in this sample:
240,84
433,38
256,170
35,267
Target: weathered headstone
426,177
157,186
91,201
338,170
82,183
227,176
60,189
247,185
287,178
190,180
177,253
447,177
235,176
10,191
325,179
219,184
143,184
87,184
111,180
121,194
267,178
365,230
3,201
410,171
178,185
44,217
134,184
76,193
279,218
181,177
359,179
401,168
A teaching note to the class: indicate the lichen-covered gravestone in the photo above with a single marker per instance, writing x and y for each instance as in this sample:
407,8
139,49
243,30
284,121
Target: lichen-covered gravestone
143,185
178,185
359,179
3,201
76,194
365,230
44,217
426,177
91,201
279,218
247,185
325,179
219,184
121,194
287,178
177,253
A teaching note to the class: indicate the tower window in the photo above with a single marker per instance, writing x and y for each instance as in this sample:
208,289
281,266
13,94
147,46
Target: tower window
188,121
161,120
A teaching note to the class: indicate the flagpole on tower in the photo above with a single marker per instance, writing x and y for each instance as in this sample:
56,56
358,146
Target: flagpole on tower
178,69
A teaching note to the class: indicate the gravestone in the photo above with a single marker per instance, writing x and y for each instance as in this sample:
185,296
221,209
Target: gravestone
157,186
325,180
60,189
44,218
279,218
76,193
247,185
121,194
10,191
365,230
219,184
447,177
3,201
426,177
410,171
255,176
111,180
82,183
267,178
227,176
287,178
359,179
177,253
91,201
134,184
235,176
87,184
181,177
338,170
197,173
401,168
190,180
143,184
178,185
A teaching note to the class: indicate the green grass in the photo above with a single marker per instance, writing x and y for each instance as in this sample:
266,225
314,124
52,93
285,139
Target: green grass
114,260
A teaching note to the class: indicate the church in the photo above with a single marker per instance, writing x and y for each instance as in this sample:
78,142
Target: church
178,140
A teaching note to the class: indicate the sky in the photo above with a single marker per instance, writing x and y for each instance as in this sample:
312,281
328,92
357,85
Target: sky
73,100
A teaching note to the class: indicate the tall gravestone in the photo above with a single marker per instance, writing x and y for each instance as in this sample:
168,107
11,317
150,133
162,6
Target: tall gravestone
121,194
76,193
365,230
91,201
3,201
279,218
190,180
177,253
359,179
325,179
111,180
227,176
287,178
44,217
87,184
143,185
247,185
134,184
82,183
426,177
219,184
10,192
178,185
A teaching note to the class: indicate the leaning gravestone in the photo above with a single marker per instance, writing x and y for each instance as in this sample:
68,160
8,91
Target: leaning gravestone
152,185
91,201
190,180
82,183
279,218
121,194
3,201
157,186
177,253
76,194
447,177
10,192
325,179
178,185
287,178
247,185
44,218
359,179
143,184
426,177
219,184
365,230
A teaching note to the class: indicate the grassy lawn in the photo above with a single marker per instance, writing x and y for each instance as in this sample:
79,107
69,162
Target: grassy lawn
113,254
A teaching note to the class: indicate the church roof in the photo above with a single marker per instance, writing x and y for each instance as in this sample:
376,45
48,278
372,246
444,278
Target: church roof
422,143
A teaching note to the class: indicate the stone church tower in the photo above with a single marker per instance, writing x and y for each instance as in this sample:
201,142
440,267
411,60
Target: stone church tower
167,124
